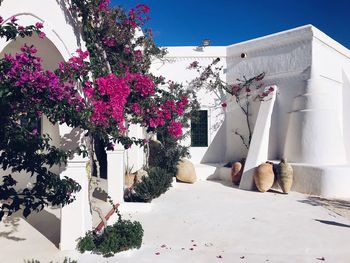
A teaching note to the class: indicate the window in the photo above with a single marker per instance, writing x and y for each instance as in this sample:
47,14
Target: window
31,124
199,130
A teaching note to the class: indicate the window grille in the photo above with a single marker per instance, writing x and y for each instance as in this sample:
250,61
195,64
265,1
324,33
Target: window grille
199,130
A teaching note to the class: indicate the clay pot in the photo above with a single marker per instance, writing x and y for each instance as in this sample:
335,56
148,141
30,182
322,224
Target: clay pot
236,173
264,177
284,174
186,172
129,180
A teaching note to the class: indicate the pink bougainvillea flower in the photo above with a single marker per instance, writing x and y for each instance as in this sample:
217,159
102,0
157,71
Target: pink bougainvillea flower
143,85
224,104
41,34
235,89
136,108
13,19
271,89
103,6
193,65
39,25
144,8
138,55
109,42
1,20
114,92
175,129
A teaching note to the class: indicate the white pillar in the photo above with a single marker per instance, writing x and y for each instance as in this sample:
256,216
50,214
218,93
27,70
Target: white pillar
76,219
259,145
135,153
115,174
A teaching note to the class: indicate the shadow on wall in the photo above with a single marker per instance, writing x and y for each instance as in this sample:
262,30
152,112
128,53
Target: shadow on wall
48,224
217,148
11,224
72,140
71,19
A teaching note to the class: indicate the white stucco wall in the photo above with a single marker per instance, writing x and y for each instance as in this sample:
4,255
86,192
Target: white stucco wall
175,67
309,126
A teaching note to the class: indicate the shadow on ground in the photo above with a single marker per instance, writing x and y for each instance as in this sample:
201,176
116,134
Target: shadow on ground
340,207
332,223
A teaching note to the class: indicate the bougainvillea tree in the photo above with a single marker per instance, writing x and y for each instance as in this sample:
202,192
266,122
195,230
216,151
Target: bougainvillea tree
101,90
244,91
121,53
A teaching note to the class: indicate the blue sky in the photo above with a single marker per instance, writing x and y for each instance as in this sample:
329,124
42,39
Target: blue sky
226,22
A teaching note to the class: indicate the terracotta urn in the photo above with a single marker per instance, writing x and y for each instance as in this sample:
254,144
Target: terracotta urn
284,175
186,172
237,171
264,177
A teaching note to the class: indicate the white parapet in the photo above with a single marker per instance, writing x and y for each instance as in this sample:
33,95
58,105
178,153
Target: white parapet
76,218
115,174
258,150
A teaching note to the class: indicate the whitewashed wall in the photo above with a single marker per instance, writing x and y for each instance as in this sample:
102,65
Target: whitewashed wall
309,124
175,67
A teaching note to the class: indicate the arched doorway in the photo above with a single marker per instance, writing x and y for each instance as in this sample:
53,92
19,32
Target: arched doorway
47,222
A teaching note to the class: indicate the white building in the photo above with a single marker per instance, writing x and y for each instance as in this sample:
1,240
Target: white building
305,123
309,126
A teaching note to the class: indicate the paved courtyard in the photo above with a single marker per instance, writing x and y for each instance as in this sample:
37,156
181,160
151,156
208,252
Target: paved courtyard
213,222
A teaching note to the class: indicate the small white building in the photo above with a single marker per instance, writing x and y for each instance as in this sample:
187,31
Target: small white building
308,126
306,122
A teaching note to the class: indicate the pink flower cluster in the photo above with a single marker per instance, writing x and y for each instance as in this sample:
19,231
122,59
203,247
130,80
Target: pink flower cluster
21,29
137,15
109,41
75,65
193,65
103,6
143,85
175,129
266,92
138,55
158,115
113,93
40,87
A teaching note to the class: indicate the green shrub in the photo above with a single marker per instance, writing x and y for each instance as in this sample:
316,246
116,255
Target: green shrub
121,236
169,154
157,183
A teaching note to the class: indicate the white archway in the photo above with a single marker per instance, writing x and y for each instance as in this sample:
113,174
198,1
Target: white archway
60,43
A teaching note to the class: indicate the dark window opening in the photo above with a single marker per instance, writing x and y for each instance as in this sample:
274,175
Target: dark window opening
199,130
31,124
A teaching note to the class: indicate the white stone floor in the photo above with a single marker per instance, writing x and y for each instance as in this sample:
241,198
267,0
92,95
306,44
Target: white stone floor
211,222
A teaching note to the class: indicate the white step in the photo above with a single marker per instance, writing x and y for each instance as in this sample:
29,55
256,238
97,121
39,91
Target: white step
205,171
